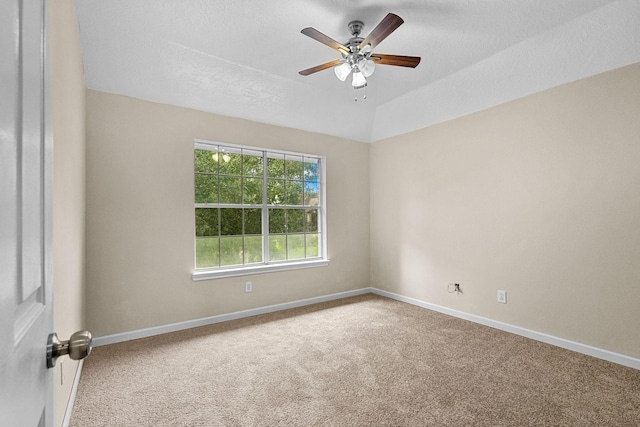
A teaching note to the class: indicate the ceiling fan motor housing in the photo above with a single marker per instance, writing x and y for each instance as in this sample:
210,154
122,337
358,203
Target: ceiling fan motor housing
354,45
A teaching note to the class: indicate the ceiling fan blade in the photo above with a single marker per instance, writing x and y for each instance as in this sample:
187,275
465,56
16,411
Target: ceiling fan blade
320,67
398,60
325,39
387,26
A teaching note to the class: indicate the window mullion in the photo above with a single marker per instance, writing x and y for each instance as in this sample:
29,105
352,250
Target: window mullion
265,212
219,215
242,212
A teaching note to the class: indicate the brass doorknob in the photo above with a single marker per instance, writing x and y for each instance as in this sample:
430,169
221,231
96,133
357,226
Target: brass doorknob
78,347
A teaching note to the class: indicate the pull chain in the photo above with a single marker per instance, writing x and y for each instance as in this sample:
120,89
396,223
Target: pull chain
355,99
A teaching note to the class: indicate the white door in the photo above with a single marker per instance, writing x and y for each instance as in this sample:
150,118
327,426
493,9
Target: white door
26,385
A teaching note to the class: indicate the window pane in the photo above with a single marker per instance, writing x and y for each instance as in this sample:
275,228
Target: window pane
230,190
251,163
205,161
294,192
293,167
275,167
313,248
230,222
230,250
277,222
206,222
231,180
277,248
295,246
311,171
252,191
311,193
253,221
230,163
206,188
275,191
207,252
311,220
295,220
252,249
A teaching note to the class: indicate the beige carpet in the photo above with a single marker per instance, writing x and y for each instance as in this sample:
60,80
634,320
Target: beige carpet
361,361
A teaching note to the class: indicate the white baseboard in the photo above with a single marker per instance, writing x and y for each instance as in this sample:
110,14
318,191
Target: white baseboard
157,330
610,356
72,397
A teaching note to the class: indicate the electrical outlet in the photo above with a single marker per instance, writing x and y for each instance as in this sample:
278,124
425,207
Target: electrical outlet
454,288
248,286
502,297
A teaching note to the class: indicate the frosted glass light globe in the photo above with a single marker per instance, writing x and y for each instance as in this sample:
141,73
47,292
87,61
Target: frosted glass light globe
342,71
367,67
358,80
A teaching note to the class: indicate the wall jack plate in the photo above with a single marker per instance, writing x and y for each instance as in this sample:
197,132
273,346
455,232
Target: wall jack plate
248,286
502,297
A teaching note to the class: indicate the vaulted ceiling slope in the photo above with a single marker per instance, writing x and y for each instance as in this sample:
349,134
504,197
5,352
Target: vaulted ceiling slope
241,58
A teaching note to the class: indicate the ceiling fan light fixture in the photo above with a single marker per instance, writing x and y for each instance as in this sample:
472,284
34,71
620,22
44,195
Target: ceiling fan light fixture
367,66
342,71
358,80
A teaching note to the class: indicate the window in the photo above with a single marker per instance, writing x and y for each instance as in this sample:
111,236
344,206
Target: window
256,210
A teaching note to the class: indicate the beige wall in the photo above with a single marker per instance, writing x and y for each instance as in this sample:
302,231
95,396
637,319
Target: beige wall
140,221
539,197
68,125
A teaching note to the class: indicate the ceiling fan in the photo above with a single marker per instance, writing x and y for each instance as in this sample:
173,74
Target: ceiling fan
357,56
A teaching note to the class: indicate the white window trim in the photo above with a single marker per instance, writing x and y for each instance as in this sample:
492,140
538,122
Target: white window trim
222,272
235,271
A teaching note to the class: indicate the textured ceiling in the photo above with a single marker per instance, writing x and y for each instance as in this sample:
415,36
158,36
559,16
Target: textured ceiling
241,58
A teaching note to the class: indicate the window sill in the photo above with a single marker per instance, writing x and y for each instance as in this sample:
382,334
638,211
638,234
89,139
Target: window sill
244,271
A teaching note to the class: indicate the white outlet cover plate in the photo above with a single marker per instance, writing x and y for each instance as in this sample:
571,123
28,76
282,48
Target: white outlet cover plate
502,297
